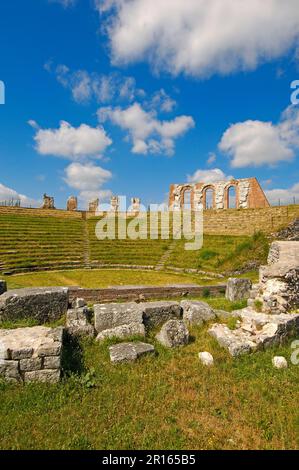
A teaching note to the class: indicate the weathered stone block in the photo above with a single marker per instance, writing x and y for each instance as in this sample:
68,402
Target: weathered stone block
3,287
196,312
173,333
156,313
123,331
129,352
238,289
41,304
109,316
45,375
78,303
30,348
27,365
52,362
10,370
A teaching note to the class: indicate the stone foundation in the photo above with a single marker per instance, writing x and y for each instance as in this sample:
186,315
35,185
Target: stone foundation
31,354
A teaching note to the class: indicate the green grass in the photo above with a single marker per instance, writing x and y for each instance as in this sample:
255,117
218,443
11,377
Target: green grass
169,401
222,253
96,278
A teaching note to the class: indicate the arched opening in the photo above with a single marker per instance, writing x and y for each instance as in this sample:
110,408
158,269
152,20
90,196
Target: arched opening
232,197
209,198
187,199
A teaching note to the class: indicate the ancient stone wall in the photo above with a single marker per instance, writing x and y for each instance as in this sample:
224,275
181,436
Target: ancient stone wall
248,195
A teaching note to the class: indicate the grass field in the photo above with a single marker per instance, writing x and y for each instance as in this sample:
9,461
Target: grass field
165,402
97,278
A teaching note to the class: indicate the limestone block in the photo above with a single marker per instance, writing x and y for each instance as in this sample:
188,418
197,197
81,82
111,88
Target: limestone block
41,304
173,333
157,313
122,331
238,289
45,375
196,312
109,316
129,352
27,365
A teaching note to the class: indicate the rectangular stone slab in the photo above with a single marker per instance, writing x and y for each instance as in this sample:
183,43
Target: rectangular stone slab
41,304
109,316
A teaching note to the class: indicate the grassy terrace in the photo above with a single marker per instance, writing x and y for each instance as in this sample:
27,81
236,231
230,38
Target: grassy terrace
29,242
140,252
40,242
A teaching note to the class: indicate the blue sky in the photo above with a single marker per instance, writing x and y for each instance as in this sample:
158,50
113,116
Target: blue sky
117,97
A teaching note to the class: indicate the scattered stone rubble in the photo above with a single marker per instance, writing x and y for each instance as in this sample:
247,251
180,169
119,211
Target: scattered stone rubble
206,358
173,333
280,362
31,354
129,352
290,233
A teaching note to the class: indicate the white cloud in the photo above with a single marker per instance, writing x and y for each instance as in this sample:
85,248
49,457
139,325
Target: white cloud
162,101
147,133
256,143
88,179
208,176
285,196
8,194
70,142
211,159
200,37
87,86
64,3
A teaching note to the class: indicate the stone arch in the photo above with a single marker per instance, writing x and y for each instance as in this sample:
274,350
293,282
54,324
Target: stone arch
187,197
231,196
209,197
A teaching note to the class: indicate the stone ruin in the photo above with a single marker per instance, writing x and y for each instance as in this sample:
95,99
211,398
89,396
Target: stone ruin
93,205
135,205
278,288
270,319
48,202
114,204
248,195
72,204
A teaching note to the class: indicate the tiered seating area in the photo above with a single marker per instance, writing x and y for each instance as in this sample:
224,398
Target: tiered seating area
30,242
127,252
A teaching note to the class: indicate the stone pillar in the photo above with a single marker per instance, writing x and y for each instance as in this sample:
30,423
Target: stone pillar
114,204
72,204
93,205
48,202
135,205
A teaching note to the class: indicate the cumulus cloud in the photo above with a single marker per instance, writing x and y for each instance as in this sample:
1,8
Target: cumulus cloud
199,37
86,86
147,133
70,142
284,196
256,143
8,194
88,179
208,176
